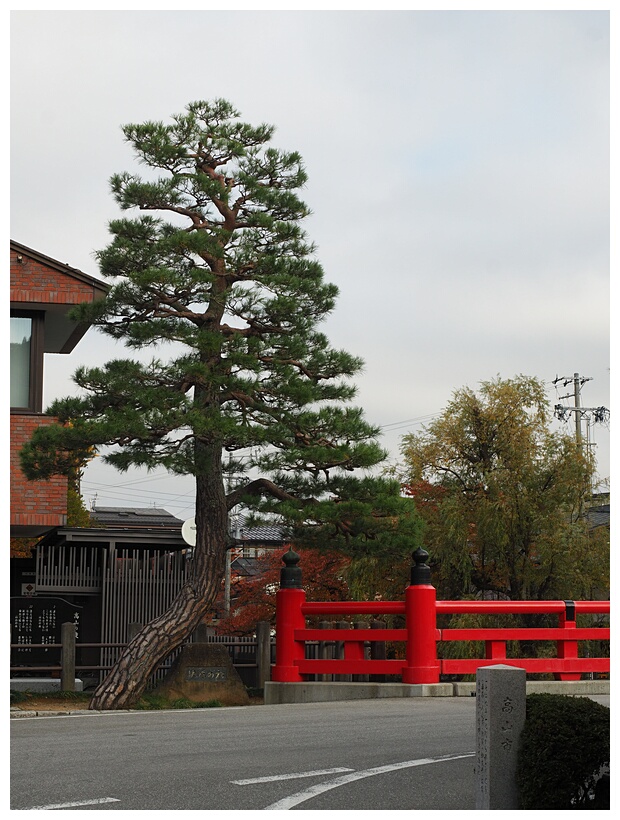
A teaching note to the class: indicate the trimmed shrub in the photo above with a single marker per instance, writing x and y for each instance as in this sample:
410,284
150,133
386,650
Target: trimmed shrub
564,753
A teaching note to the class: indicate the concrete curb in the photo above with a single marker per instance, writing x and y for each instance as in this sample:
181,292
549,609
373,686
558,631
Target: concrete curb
16,714
555,687
323,692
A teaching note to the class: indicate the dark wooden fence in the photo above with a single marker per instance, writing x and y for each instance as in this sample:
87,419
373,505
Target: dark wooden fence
251,656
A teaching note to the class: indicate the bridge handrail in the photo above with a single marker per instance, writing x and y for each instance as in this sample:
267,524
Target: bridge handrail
421,635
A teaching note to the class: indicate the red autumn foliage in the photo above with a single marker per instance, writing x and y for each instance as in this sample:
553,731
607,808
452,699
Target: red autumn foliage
425,493
253,598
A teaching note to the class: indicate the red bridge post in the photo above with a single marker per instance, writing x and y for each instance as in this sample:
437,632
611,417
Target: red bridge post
289,601
421,621
568,649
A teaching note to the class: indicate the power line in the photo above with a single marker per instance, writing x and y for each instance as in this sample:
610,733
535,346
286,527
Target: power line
397,425
563,412
121,490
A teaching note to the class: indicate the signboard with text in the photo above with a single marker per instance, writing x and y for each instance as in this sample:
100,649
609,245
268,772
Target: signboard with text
36,620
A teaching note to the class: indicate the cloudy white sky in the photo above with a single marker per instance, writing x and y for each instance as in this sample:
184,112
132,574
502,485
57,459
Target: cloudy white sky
458,176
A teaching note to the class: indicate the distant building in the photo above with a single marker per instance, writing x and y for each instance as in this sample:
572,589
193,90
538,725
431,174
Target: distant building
140,517
252,543
598,516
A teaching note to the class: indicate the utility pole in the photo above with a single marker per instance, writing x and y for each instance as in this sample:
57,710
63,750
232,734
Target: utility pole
234,531
562,412
227,571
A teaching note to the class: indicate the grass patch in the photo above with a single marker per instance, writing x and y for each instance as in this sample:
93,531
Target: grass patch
69,697
153,702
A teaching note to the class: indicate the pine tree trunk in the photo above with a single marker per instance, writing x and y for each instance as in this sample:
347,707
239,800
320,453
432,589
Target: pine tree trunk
130,674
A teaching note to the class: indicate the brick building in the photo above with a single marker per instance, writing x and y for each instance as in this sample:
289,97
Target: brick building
130,563
42,292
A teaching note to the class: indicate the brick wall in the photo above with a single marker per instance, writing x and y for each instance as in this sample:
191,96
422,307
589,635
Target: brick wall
34,502
32,281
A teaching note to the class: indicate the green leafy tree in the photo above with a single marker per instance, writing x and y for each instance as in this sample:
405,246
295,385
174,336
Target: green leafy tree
222,273
502,498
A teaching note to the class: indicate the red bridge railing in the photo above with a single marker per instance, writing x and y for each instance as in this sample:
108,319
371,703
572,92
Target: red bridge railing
421,635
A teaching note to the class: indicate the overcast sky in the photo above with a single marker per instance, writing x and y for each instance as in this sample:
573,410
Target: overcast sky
458,170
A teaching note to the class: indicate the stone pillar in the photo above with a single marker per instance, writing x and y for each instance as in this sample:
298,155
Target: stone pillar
500,716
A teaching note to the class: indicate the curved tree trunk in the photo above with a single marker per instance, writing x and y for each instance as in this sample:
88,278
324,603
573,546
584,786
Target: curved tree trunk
130,674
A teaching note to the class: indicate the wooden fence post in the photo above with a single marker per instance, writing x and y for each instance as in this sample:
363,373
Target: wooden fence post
67,671
377,651
361,652
202,633
326,650
340,650
263,652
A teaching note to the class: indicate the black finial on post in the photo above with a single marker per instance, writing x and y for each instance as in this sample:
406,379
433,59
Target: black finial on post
420,571
290,574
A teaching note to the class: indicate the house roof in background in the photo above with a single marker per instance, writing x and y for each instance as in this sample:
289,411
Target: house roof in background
146,517
34,291
61,267
265,533
135,517
599,516
247,567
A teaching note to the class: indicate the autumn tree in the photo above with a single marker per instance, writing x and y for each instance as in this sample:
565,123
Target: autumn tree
215,270
254,597
503,496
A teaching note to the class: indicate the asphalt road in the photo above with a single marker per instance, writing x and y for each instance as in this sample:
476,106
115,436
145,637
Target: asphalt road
415,753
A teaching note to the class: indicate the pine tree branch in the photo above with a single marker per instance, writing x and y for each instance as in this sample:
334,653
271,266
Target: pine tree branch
262,486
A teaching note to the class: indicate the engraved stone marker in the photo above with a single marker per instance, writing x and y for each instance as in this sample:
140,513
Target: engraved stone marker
202,672
500,715
213,673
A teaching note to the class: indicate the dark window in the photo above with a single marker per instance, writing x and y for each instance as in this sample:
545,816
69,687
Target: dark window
26,361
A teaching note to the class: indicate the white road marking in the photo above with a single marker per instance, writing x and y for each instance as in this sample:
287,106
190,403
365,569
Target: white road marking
295,799
293,776
72,805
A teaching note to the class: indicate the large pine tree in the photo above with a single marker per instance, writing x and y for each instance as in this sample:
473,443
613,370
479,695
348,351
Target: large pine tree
223,271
